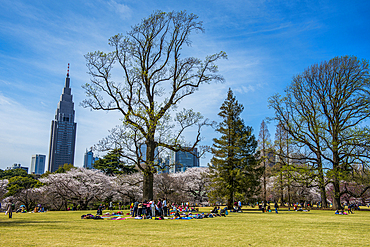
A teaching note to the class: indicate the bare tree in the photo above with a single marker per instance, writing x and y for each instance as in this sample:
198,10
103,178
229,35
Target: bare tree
324,110
264,146
155,79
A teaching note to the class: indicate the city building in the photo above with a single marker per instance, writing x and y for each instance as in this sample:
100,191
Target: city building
38,164
181,160
17,166
63,131
89,159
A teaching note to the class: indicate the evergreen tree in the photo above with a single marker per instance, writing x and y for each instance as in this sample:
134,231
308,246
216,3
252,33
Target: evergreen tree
111,164
234,167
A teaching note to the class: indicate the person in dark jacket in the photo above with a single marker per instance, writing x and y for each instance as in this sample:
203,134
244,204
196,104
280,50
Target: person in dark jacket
10,208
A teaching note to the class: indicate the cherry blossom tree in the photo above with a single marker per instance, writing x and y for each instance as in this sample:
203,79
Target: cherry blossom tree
79,185
128,186
3,190
195,183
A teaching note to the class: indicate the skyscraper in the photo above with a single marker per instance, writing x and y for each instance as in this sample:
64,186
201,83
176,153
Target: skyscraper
38,164
89,159
181,160
63,131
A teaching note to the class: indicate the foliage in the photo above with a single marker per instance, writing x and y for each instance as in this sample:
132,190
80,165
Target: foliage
7,174
20,188
155,79
111,164
79,186
3,186
233,168
65,168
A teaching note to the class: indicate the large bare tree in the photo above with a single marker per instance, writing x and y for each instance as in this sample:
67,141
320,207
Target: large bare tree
155,78
325,109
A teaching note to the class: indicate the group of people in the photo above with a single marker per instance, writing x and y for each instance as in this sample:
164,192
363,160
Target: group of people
149,209
265,207
159,208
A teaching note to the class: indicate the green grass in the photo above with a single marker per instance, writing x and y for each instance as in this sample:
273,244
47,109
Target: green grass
251,228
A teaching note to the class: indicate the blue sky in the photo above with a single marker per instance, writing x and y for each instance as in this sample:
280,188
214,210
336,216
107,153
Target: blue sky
267,42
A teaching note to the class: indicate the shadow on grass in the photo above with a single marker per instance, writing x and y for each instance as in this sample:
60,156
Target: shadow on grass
12,223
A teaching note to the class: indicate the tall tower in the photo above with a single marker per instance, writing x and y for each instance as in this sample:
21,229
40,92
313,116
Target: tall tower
63,131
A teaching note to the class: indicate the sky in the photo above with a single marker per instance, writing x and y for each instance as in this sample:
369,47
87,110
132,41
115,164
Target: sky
267,43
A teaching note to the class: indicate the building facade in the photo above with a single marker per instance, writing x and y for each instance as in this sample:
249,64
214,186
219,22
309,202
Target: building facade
180,160
89,159
38,164
63,131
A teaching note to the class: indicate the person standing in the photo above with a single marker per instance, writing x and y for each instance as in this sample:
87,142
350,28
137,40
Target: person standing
111,205
152,207
159,205
276,206
120,205
134,211
239,206
164,207
10,208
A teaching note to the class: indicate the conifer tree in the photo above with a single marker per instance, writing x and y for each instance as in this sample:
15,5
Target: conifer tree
112,164
234,166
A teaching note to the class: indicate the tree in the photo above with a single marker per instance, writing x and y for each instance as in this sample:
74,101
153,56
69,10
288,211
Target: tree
128,186
155,79
233,167
14,173
264,143
3,186
63,169
324,110
195,182
21,188
111,164
79,185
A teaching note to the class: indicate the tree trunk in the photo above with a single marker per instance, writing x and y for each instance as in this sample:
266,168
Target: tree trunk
322,184
148,185
336,197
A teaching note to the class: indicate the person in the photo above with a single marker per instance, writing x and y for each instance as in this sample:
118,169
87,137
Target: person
119,205
276,206
239,206
134,211
10,208
164,205
139,209
159,205
100,209
111,205
152,207
263,206
143,209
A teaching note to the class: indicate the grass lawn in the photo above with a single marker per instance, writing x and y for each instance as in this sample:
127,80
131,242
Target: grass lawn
251,228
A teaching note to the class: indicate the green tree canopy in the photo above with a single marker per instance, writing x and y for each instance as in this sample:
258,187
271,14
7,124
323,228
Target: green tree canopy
111,164
7,174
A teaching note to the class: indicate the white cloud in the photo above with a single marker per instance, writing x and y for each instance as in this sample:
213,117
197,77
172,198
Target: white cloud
123,10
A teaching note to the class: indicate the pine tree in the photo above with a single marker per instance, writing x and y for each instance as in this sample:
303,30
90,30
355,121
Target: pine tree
112,164
234,167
